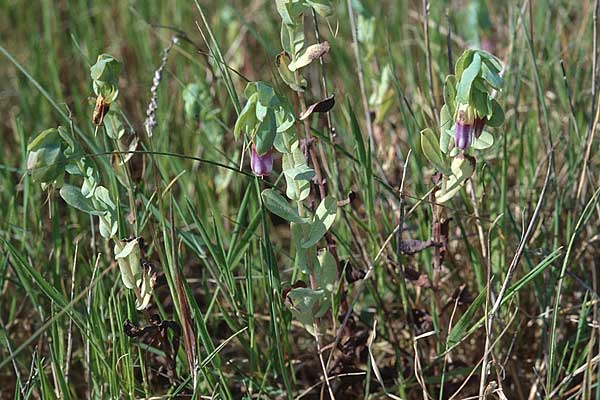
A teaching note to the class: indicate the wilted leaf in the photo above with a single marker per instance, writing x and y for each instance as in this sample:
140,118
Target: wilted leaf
283,60
413,246
321,106
310,54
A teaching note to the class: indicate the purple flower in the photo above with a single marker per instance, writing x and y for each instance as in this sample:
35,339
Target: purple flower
478,126
261,165
463,136
466,123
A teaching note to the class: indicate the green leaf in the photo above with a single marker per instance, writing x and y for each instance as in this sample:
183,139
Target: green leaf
480,102
305,303
484,141
460,328
322,7
191,99
431,150
300,173
361,150
72,196
247,119
289,10
462,167
326,274
446,120
279,206
107,225
113,126
285,119
297,190
103,196
292,39
450,93
491,77
265,93
467,78
491,60
46,164
463,61
322,221
497,117
297,233
105,76
284,140
445,139
265,133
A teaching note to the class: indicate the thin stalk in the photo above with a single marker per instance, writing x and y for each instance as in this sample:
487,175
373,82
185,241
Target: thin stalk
361,78
310,155
324,94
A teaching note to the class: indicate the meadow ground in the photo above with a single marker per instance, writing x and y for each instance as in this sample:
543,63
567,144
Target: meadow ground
392,251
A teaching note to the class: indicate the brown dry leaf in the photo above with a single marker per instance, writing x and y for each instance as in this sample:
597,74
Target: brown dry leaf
412,246
311,53
321,106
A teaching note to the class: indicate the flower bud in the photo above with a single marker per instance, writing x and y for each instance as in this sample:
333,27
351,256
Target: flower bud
261,165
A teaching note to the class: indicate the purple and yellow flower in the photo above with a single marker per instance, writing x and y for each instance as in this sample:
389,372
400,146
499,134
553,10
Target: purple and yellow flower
463,134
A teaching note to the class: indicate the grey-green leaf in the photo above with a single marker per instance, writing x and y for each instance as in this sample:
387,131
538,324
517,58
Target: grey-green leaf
431,150
72,196
484,141
322,221
497,117
279,206
467,78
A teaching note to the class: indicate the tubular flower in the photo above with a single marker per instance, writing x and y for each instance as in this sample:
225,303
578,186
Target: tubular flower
261,165
465,122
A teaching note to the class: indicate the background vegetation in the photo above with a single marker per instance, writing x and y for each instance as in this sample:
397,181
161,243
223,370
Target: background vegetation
528,223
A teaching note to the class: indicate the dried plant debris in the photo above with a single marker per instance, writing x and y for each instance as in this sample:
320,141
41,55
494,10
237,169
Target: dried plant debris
156,334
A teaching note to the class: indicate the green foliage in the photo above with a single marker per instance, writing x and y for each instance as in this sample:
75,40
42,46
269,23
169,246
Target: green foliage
228,250
105,77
